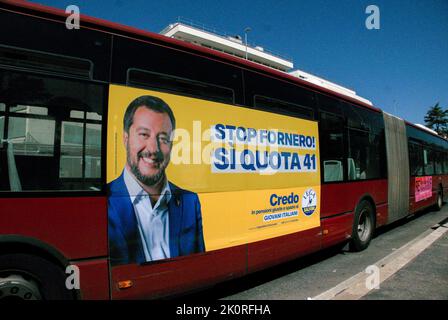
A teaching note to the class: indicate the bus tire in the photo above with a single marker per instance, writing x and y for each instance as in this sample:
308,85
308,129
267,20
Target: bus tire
29,277
363,226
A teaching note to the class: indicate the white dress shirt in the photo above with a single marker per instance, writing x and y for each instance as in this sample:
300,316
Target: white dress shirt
153,222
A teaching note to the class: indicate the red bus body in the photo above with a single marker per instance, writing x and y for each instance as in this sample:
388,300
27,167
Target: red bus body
75,228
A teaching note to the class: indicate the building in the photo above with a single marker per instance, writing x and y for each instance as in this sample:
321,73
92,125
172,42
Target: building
234,45
201,35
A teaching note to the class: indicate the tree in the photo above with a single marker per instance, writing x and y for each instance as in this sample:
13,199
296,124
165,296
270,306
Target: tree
437,119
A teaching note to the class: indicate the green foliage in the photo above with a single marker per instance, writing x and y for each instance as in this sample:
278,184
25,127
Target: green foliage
437,119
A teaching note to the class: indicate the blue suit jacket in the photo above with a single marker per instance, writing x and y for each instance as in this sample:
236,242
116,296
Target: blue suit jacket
185,224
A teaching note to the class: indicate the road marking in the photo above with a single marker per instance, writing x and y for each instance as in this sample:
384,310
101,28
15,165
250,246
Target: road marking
355,287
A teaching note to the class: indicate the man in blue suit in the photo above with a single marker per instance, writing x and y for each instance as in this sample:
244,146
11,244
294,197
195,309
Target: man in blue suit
149,217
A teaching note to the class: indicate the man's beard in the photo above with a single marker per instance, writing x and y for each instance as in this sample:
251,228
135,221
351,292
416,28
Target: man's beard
145,179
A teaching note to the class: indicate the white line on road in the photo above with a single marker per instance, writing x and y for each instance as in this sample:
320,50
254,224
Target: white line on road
356,287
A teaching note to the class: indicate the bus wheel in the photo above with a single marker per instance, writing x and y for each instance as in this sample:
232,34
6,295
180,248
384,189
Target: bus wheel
16,287
28,277
363,226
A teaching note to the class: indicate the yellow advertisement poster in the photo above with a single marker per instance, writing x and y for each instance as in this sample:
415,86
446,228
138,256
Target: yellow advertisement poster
231,174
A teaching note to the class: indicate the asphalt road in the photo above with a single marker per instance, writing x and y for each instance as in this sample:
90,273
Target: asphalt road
425,277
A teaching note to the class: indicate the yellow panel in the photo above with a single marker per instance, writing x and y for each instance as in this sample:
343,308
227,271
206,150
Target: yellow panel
236,201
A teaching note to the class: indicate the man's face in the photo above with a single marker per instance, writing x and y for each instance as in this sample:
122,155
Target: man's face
148,145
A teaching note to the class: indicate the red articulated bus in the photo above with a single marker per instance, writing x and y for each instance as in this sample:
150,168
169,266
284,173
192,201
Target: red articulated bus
133,165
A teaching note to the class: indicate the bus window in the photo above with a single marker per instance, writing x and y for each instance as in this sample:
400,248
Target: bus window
31,137
331,105
159,67
331,137
164,82
2,123
415,159
364,158
445,163
47,149
366,143
438,163
257,85
29,110
282,107
3,162
93,151
51,63
428,158
72,135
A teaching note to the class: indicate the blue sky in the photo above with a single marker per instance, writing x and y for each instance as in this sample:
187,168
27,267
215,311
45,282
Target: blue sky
402,68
